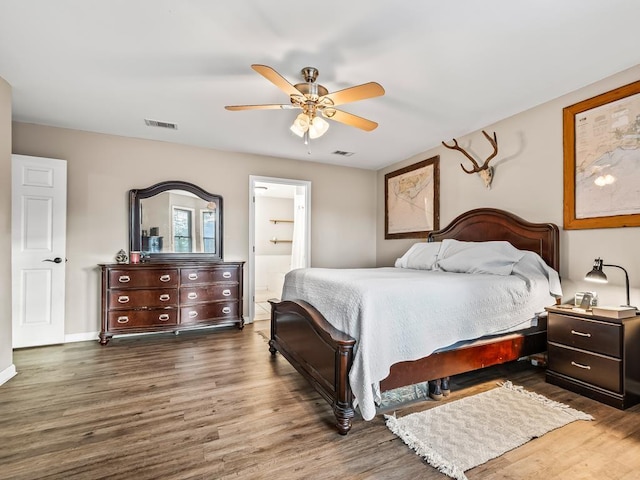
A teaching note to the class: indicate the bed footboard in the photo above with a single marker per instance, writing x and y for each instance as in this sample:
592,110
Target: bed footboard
320,352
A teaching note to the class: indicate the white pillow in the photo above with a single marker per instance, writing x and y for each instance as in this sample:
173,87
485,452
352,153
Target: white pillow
496,257
421,256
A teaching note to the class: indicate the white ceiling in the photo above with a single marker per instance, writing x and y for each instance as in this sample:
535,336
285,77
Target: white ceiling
448,68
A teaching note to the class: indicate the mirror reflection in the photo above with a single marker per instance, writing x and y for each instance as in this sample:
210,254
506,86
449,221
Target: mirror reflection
175,220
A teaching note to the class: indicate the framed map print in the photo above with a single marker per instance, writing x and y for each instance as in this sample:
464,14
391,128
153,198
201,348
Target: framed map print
412,200
602,160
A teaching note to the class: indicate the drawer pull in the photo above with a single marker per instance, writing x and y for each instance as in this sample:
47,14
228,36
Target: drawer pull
581,334
193,276
226,292
165,278
193,314
192,295
226,310
226,275
163,317
124,278
123,319
123,299
579,365
164,297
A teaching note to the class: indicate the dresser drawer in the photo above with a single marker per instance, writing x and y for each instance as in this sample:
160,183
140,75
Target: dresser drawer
158,297
594,336
208,311
142,318
132,278
190,276
604,372
208,293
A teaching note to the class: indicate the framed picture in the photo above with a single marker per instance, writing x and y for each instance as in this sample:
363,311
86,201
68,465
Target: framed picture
412,200
602,160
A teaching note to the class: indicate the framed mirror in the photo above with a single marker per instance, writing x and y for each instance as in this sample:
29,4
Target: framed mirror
175,221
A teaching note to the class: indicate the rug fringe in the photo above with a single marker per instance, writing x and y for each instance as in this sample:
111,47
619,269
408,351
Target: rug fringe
432,457
577,414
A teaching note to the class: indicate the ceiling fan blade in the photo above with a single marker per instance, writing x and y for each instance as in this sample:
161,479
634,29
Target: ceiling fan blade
349,119
277,79
353,94
259,107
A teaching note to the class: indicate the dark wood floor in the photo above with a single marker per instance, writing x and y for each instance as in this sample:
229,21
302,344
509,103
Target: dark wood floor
215,405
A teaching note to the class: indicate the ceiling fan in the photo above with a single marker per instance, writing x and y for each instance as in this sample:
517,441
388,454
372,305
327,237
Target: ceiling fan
316,102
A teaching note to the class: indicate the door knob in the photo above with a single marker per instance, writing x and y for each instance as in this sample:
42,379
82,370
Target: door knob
55,260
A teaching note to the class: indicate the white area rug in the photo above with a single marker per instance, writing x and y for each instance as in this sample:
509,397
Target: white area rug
457,436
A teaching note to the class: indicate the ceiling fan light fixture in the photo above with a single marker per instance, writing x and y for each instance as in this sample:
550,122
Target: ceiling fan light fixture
318,127
295,129
300,124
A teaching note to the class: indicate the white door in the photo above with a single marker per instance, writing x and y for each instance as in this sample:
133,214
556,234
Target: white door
299,191
38,234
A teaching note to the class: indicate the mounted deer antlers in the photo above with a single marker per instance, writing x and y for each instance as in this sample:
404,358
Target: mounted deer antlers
485,171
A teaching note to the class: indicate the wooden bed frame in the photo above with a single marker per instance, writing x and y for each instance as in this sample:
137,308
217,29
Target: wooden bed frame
323,354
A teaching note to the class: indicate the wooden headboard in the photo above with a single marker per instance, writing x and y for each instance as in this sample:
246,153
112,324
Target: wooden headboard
487,224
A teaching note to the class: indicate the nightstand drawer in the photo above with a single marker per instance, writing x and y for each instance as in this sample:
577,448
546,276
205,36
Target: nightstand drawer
585,334
597,370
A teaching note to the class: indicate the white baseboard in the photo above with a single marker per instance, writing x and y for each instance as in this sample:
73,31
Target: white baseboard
8,373
80,337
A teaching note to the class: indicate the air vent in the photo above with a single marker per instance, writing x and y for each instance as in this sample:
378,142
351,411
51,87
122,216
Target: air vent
156,123
342,153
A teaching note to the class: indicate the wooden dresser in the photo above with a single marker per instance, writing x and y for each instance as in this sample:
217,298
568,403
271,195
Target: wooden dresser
598,357
155,297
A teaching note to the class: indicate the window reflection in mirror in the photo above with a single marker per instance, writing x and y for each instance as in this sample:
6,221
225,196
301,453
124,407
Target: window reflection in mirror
182,230
174,220
209,231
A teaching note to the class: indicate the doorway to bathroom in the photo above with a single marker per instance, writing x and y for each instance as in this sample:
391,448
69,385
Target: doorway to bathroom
279,237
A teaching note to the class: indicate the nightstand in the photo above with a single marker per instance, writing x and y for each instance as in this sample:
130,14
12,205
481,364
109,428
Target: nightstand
595,356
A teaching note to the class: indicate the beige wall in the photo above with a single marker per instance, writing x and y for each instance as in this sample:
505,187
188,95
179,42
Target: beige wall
6,355
103,168
528,181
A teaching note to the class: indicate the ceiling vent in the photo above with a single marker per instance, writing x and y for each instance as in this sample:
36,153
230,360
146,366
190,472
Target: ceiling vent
342,153
156,123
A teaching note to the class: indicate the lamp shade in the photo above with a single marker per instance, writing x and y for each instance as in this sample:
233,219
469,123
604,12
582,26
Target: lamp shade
596,274
318,127
300,124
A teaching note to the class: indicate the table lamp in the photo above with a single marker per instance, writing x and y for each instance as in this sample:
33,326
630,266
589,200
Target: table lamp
597,275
